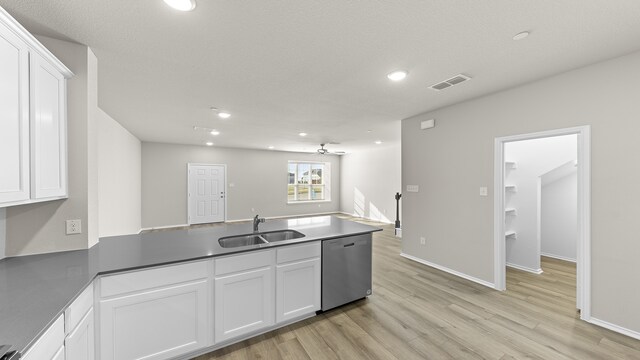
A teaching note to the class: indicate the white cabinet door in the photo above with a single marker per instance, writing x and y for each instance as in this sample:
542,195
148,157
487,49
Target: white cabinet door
50,345
14,118
297,289
60,355
79,343
155,324
48,130
244,303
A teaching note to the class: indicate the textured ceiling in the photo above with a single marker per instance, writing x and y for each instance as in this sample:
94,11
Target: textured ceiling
319,66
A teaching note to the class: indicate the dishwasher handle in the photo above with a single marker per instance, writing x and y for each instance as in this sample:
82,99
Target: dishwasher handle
351,244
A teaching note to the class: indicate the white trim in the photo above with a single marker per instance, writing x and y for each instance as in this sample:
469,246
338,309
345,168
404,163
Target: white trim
33,201
450,271
559,257
33,43
226,191
367,218
524,268
286,216
584,211
163,227
302,202
614,327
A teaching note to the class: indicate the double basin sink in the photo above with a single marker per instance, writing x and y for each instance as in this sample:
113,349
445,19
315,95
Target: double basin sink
259,238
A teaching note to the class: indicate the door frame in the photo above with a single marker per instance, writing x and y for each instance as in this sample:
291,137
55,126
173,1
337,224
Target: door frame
189,165
583,254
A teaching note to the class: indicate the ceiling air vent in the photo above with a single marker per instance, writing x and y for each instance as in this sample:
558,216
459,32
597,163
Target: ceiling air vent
450,82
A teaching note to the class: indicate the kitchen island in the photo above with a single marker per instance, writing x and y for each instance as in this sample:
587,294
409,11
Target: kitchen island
36,290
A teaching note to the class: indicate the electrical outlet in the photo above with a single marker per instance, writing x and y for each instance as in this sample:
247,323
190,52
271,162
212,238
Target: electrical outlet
423,241
74,227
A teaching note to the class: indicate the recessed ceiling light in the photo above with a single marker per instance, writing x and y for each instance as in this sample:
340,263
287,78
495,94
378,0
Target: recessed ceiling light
215,132
520,36
271,147
182,5
303,134
397,75
378,142
224,115
209,143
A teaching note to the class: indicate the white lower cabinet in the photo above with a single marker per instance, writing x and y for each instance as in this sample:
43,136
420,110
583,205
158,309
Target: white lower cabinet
50,345
60,355
244,301
79,327
297,289
298,281
155,314
80,342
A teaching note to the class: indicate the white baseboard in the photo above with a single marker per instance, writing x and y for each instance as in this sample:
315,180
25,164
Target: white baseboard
614,327
367,218
559,257
162,227
286,216
450,271
524,268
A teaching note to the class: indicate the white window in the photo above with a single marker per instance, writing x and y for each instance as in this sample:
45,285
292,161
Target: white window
308,181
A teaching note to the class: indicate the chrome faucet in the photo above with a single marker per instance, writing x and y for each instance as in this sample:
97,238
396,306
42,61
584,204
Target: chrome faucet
256,221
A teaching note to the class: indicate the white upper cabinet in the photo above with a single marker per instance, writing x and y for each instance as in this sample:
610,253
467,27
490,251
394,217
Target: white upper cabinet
48,131
33,119
14,117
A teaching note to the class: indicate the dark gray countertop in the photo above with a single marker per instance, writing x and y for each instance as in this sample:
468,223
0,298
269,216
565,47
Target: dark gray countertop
35,289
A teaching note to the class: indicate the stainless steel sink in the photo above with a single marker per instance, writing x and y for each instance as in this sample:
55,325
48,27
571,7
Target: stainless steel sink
259,238
282,235
241,240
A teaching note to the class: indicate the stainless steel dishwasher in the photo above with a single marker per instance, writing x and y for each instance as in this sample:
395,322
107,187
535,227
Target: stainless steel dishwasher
346,270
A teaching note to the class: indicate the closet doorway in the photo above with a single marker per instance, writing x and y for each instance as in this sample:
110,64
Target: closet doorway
534,177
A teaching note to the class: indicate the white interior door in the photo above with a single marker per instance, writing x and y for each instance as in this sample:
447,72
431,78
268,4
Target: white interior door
207,198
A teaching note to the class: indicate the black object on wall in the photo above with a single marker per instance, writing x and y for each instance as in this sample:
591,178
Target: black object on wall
398,196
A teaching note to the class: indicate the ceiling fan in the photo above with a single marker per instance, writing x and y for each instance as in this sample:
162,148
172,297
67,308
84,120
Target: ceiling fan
323,151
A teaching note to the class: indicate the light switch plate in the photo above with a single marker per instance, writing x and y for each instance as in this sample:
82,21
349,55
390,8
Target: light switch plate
484,191
74,227
413,188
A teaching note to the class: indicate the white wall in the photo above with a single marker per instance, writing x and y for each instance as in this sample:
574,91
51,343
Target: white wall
3,231
533,158
369,181
120,179
559,220
452,160
39,228
259,178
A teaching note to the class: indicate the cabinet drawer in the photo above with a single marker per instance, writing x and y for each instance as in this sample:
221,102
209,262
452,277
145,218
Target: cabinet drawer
151,278
78,308
49,344
299,252
237,263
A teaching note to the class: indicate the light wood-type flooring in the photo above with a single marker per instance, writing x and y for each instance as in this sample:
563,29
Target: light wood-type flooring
417,312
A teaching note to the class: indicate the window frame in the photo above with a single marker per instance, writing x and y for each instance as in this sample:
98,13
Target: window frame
326,181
